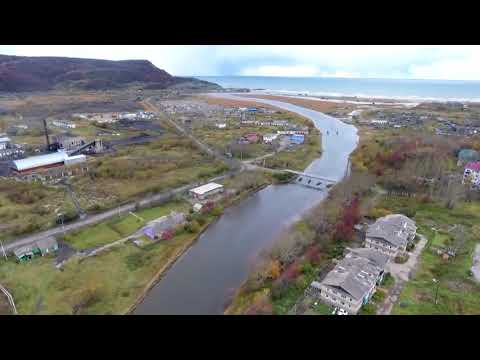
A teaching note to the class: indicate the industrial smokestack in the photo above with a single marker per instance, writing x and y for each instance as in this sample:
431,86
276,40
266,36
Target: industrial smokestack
46,133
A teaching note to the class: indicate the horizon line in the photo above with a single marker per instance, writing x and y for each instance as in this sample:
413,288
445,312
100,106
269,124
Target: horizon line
333,77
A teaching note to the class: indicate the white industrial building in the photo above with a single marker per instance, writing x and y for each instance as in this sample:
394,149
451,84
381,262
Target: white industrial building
203,191
42,162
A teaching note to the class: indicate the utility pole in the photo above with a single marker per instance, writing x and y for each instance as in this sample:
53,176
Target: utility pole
437,283
62,219
3,250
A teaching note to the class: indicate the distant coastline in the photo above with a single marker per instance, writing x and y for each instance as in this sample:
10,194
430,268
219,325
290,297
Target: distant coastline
356,89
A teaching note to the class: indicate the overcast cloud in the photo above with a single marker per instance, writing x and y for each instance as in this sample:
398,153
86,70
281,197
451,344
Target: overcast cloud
392,61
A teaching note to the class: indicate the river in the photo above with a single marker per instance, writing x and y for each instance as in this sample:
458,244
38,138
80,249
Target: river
205,277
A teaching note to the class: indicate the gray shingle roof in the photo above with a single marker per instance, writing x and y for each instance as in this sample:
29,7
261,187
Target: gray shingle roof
166,222
394,229
46,243
357,272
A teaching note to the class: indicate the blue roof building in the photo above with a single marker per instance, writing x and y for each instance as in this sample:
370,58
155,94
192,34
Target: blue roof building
297,138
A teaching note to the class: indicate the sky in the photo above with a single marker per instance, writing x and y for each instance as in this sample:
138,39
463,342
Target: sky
449,62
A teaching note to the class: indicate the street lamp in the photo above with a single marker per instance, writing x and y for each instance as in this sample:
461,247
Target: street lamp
437,283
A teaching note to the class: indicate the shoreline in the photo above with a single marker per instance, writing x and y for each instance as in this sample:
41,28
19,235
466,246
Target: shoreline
353,100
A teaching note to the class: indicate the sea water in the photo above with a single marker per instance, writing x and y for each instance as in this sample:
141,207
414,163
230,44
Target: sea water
408,89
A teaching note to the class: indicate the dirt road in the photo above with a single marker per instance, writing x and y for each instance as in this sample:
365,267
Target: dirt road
401,274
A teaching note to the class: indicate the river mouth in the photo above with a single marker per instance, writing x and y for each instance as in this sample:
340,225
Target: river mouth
206,276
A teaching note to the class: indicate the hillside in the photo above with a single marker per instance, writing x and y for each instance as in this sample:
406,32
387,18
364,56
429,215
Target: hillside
24,74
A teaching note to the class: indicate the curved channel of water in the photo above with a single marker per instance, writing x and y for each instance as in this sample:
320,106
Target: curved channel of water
206,276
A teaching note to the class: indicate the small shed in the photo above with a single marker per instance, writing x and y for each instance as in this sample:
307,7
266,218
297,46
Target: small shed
25,253
197,207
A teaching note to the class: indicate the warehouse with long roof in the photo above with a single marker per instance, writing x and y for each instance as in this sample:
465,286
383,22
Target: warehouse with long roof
40,162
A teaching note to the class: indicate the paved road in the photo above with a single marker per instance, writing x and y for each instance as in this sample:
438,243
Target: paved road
96,218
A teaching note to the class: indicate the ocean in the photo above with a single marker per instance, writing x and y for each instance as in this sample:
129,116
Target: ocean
407,89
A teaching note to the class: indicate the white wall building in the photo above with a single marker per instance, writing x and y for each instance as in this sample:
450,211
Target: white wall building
206,190
269,138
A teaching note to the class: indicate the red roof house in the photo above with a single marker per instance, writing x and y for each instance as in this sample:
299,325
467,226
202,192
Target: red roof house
473,165
253,137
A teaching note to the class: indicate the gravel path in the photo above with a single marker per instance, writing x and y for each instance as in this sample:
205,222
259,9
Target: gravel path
476,263
401,274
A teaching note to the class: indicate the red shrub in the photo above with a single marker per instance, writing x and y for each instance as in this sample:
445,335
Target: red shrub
207,207
167,234
291,272
313,254
350,217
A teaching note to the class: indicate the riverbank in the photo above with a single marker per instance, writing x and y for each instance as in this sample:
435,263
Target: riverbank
301,253
174,258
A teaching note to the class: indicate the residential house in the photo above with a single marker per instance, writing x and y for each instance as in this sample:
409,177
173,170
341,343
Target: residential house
390,234
253,138
467,155
269,138
156,228
297,138
221,125
471,173
353,280
379,122
4,142
41,247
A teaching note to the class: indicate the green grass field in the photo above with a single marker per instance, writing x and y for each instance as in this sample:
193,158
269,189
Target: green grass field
134,171
105,284
108,283
28,207
118,228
